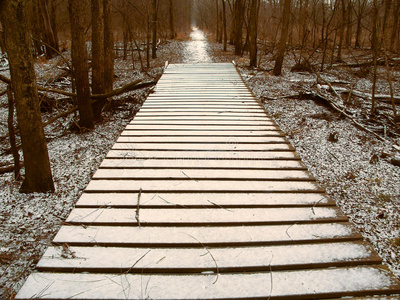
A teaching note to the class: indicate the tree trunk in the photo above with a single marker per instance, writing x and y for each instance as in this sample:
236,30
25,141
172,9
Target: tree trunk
97,50
395,27
37,29
341,31
284,34
238,11
361,6
154,29
375,47
224,24
217,20
253,24
108,47
148,45
388,7
49,33
38,176
11,133
126,40
79,63
172,33
349,31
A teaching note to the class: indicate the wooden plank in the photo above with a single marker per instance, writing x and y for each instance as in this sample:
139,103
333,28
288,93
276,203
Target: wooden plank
181,101
201,120
204,133
133,154
199,139
196,260
204,147
195,113
205,217
203,164
203,200
213,236
239,120
189,128
192,185
201,108
304,284
166,89
200,97
196,174
195,103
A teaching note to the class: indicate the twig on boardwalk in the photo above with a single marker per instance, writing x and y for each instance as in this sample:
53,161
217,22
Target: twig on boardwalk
189,176
272,281
138,207
212,256
171,202
136,262
213,203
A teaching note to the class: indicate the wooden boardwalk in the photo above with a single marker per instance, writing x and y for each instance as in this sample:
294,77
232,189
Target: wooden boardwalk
203,197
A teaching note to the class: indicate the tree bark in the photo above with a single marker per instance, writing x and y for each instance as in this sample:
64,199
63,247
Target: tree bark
217,21
172,32
284,34
11,133
238,18
38,177
224,24
349,30
49,30
253,24
154,29
108,48
375,48
360,9
395,27
341,30
79,63
98,62
97,48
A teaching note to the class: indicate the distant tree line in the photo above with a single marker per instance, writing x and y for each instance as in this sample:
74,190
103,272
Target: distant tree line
312,26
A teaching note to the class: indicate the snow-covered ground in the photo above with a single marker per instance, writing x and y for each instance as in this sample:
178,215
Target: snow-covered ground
197,48
366,189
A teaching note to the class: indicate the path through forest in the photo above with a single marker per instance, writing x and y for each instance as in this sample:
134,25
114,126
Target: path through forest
196,50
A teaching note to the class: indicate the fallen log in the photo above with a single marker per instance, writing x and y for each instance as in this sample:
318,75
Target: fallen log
9,168
380,62
367,96
135,85
126,88
340,110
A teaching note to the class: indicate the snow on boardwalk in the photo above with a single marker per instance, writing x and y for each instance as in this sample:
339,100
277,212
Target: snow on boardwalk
203,197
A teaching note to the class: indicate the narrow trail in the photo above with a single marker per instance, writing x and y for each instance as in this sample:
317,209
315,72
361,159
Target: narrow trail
197,48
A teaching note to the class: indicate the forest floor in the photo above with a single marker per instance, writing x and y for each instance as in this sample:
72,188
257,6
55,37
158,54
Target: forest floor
354,166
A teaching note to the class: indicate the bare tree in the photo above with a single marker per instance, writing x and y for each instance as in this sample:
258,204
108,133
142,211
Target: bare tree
38,177
284,35
253,25
395,27
108,47
238,19
79,63
47,12
224,24
172,32
97,49
154,28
